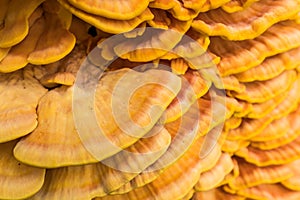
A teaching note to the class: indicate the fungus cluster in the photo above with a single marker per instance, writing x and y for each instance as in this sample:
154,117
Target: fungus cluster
219,117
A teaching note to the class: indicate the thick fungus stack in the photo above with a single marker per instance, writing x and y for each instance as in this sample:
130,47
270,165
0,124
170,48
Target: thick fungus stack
219,117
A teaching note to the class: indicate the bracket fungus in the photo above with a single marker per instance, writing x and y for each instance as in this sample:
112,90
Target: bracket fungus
269,191
74,182
275,130
37,43
171,183
121,10
20,93
237,5
293,131
46,50
17,56
150,99
271,67
259,175
62,72
57,132
212,178
106,24
251,127
193,86
216,194
258,92
239,56
280,155
14,174
293,182
248,23
15,24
